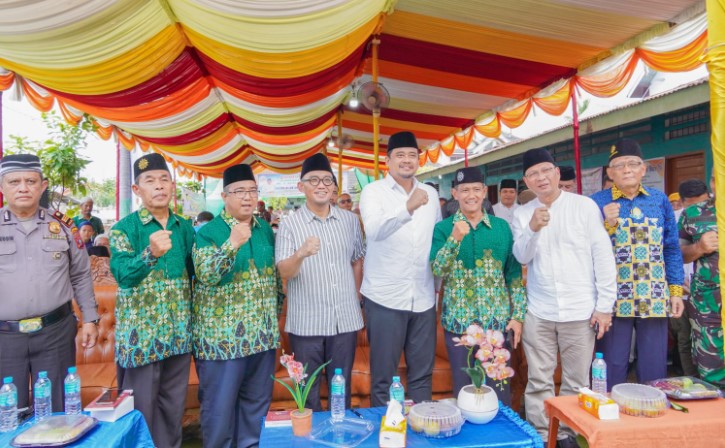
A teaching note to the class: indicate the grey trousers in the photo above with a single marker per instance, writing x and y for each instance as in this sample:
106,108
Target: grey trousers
542,339
53,349
235,394
392,332
159,393
315,351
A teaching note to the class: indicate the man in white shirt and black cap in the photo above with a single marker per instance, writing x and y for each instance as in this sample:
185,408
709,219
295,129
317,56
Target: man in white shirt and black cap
567,182
399,214
506,205
571,285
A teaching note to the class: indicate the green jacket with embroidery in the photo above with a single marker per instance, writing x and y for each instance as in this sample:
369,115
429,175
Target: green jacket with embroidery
238,294
482,279
153,305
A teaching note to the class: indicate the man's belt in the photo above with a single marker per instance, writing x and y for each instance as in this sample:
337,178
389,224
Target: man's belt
31,325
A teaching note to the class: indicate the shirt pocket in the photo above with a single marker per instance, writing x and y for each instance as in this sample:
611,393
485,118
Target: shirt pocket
55,253
8,258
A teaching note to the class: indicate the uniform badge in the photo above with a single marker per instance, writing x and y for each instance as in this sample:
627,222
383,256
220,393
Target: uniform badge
143,163
78,240
54,227
56,256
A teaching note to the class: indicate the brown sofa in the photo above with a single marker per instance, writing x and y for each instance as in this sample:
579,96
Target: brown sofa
97,368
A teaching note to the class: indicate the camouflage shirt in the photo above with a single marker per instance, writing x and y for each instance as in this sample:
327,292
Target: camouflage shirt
695,221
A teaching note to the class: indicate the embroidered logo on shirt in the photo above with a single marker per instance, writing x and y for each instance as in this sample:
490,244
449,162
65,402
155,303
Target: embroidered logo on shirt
7,238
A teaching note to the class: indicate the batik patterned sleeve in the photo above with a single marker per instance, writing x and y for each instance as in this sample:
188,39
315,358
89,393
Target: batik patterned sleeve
674,273
128,267
212,262
515,285
443,252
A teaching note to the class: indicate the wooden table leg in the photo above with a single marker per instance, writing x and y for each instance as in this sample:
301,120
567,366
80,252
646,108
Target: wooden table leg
553,430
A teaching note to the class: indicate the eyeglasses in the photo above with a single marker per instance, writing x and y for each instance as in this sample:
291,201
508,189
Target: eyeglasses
541,173
632,165
474,190
240,194
315,181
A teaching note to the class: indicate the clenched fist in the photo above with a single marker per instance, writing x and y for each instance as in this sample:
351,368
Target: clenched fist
611,213
539,219
240,234
311,246
160,243
417,200
460,230
709,242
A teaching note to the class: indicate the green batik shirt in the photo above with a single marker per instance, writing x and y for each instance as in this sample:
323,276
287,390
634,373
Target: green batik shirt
483,282
153,305
238,294
695,221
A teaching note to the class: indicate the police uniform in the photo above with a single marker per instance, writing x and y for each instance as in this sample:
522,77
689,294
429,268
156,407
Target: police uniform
43,265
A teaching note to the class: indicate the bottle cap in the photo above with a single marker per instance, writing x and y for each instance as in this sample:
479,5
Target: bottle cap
338,371
7,380
396,379
72,369
599,355
43,374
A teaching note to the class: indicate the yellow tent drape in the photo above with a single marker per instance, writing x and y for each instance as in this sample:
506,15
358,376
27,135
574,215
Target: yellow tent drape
715,59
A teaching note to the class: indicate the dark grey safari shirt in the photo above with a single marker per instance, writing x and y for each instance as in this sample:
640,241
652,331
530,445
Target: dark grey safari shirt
42,268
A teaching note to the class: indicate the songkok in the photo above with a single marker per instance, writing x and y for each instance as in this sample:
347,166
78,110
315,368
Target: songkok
508,183
316,162
692,188
149,162
567,172
20,162
403,139
674,197
468,175
237,173
625,147
536,156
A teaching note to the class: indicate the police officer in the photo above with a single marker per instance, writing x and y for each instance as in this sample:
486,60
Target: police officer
43,265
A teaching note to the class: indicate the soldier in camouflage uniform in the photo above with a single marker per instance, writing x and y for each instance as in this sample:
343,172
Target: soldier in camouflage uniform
699,243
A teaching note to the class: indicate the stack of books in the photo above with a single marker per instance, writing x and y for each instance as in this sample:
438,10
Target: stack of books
276,419
111,405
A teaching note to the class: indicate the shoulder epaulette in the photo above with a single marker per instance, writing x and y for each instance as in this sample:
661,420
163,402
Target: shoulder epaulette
63,219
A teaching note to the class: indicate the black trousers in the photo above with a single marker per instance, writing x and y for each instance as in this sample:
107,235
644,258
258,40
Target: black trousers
392,332
235,394
53,349
315,351
159,393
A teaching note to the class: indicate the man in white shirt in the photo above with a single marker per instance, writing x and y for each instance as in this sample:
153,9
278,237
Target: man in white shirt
571,285
399,214
506,205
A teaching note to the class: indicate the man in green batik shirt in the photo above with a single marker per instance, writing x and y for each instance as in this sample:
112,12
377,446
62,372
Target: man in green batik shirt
235,316
472,253
152,264
699,244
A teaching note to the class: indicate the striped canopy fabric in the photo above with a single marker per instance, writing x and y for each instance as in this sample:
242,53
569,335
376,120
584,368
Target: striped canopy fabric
213,83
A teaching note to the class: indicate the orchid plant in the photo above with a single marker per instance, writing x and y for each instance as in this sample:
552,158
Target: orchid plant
491,356
297,372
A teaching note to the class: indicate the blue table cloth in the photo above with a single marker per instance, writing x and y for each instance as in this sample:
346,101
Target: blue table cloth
506,430
130,431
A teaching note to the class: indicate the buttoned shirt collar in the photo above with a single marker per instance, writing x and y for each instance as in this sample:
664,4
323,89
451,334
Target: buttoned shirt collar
459,216
617,193
393,184
146,216
8,217
309,216
232,221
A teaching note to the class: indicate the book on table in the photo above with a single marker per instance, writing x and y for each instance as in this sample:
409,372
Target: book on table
277,418
111,405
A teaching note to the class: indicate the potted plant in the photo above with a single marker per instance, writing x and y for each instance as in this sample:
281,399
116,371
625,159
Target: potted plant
301,417
478,402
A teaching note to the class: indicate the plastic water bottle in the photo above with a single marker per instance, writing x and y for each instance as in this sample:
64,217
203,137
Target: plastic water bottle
397,392
337,398
72,392
8,405
43,397
599,374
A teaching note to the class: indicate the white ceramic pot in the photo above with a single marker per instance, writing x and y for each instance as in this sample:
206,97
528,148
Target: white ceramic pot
478,406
